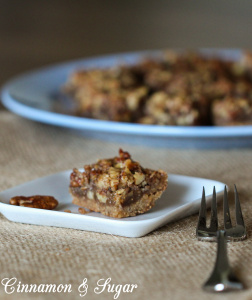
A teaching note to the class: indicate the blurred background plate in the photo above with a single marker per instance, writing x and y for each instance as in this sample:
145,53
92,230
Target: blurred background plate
36,96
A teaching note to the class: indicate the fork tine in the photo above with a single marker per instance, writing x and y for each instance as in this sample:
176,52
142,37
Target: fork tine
202,212
238,212
214,217
227,219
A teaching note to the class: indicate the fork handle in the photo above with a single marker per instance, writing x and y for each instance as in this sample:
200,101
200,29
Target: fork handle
222,263
222,277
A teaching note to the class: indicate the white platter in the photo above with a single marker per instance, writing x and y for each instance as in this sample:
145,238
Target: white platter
34,96
182,198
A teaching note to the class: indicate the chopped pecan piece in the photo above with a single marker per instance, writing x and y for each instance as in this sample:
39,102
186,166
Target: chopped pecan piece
82,210
37,201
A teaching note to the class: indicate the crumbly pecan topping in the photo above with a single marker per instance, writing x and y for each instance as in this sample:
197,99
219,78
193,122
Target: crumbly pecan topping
114,174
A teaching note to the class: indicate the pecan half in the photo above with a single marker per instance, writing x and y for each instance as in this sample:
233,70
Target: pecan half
37,201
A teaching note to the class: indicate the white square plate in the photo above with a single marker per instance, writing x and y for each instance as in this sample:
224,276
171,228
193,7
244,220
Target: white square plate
182,198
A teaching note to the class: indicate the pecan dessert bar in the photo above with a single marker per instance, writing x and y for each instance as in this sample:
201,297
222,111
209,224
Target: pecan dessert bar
164,109
232,111
118,187
107,94
186,89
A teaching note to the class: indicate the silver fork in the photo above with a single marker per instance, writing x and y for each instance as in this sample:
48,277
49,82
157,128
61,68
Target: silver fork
233,233
222,277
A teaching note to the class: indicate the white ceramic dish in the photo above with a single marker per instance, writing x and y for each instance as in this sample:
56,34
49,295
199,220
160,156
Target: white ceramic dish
181,199
32,96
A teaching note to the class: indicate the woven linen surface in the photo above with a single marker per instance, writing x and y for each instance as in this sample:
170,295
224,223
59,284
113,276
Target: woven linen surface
168,263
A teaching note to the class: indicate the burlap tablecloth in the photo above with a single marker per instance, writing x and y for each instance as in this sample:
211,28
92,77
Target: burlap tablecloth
168,263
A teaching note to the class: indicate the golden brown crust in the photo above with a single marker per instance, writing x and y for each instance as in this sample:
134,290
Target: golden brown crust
117,187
